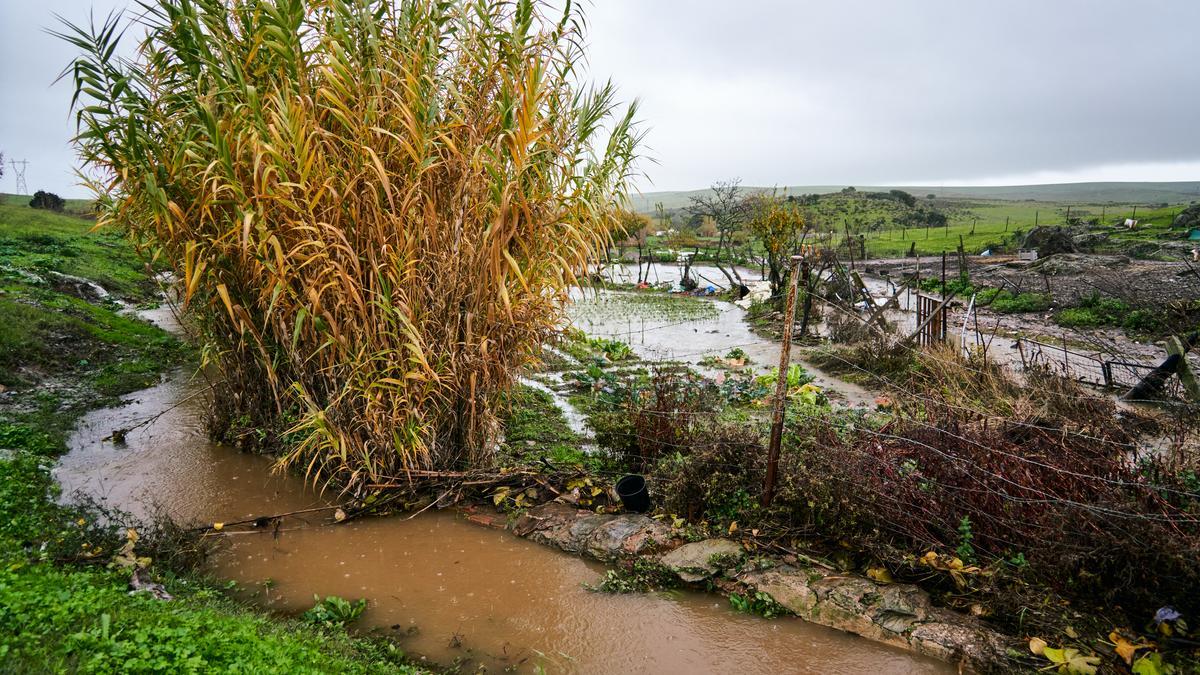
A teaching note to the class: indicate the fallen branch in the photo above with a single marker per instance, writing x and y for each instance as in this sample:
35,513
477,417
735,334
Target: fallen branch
263,521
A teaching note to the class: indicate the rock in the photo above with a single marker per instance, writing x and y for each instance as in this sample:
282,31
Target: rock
896,614
625,535
787,585
1089,240
1050,240
899,607
601,536
694,562
1188,218
955,641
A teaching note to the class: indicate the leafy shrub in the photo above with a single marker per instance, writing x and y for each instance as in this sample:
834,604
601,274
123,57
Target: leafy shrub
1005,302
334,611
736,354
47,200
760,603
716,476
743,388
1095,311
797,377
615,350
655,418
636,576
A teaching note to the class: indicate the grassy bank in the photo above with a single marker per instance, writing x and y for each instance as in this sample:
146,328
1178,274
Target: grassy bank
69,342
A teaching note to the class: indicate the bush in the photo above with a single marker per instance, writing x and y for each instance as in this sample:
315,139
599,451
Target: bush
1005,302
334,611
47,200
716,477
979,463
1096,311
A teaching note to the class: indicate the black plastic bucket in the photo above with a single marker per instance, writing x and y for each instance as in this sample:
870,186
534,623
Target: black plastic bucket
633,493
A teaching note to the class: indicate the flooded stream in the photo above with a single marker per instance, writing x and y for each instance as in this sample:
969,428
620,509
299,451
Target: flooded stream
449,590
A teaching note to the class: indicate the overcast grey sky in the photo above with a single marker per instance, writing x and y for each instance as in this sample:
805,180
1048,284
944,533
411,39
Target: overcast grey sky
800,93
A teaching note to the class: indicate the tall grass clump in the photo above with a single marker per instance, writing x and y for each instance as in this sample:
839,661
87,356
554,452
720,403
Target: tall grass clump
374,208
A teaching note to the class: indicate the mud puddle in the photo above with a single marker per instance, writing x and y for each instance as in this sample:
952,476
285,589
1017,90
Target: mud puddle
450,590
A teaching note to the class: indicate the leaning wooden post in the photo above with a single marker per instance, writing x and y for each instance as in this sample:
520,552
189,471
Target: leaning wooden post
1190,385
781,386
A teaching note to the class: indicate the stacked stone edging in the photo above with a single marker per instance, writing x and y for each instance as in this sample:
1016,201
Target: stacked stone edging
899,615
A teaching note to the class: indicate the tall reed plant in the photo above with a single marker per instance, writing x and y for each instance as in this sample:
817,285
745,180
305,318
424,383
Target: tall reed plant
374,208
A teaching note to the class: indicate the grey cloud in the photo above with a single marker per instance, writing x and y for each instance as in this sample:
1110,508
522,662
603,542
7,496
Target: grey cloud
826,92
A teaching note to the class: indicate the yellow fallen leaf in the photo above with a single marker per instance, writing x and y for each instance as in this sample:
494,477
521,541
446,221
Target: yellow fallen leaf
218,526
733,527
1124,648
339,515
880,574
1071,661
1037,645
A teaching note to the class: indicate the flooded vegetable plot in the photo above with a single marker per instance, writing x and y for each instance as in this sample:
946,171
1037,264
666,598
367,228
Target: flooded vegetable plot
449,589
661,327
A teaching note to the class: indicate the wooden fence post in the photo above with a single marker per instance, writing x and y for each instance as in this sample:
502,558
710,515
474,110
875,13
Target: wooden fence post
781,387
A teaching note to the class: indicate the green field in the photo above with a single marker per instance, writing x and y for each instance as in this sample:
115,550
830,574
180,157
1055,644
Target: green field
1065,193
982,224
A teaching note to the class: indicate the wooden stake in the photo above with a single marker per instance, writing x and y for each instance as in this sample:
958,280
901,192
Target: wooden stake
780,403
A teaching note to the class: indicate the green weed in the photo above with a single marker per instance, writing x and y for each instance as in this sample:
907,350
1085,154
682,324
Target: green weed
759,603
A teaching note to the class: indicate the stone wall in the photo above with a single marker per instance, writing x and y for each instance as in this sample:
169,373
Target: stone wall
900,615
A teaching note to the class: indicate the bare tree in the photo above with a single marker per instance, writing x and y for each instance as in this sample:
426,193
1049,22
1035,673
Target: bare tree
725,204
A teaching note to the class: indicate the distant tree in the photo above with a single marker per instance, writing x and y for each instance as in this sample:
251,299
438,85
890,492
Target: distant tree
779,228
1,165
930,196
923,217
623,232
849,190
725,205
904,197
47,200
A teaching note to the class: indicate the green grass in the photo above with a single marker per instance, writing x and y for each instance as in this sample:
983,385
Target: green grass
60,354
41,241
69,618
535,427
1000,224
1075,193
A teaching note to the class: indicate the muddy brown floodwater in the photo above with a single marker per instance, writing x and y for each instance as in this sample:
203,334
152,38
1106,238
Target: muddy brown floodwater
450,590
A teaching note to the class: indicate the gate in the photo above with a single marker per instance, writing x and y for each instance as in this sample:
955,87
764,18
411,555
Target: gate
935,329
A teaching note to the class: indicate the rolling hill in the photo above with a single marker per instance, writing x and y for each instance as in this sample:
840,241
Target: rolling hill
1084,193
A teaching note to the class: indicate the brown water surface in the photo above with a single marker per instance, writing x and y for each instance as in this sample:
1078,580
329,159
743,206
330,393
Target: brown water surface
448,589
